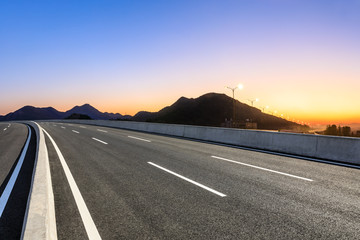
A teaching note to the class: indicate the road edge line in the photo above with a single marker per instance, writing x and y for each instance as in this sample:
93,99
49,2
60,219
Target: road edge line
39,219
4,198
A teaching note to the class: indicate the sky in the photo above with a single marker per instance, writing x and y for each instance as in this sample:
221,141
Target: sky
299,57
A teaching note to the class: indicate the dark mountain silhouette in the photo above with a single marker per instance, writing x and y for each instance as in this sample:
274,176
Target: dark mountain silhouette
33,113
144,116
92,112
211,110
207,110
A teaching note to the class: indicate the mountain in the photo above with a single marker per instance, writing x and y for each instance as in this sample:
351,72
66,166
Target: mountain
211,110
143,116
33,113
92,112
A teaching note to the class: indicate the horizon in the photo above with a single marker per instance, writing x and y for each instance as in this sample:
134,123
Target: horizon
298,58
315,126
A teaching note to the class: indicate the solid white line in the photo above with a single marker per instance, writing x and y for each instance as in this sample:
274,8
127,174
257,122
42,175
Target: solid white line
99,140
75,131
141,139
89,224
189,180
82,127
9,186
261,168
101,130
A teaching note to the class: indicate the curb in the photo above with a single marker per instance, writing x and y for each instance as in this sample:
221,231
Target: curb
39,220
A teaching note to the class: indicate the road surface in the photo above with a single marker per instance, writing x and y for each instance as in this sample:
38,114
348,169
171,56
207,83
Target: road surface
132,185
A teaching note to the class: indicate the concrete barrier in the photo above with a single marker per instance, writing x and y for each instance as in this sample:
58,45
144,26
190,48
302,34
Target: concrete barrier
341,149
39,221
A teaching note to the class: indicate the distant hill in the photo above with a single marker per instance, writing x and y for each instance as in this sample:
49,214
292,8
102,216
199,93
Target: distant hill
211,110
207,110
144,116
92,112
34,113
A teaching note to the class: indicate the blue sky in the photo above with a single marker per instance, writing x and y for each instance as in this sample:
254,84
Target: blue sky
127,56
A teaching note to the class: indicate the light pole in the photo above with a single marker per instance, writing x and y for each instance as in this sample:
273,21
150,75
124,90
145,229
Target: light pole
252,101
263,108
240,86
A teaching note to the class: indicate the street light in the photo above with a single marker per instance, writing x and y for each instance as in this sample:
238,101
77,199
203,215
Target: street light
239,86
263,108
252,101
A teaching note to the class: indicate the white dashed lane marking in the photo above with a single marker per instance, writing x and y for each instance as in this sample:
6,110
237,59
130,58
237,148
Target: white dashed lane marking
188,180
99,140
261,168
141,139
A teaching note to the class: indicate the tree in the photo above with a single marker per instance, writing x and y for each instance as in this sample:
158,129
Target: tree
346,131
331,130
338,131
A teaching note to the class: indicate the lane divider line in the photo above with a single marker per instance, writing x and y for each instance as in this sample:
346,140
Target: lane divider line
188,180
82,126
63,127
99,140
89,224
141,139
100,130
10,185
5,129
261,168
75,131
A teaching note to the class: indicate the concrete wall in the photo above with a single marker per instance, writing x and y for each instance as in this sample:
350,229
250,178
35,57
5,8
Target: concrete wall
323,147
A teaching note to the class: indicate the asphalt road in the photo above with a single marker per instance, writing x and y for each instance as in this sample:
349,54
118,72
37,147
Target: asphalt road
142,186
12,140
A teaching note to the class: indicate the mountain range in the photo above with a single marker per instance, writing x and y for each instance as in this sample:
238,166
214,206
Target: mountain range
207,110
34,113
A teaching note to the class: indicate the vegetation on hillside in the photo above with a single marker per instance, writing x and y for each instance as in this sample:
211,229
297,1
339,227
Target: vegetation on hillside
340,131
